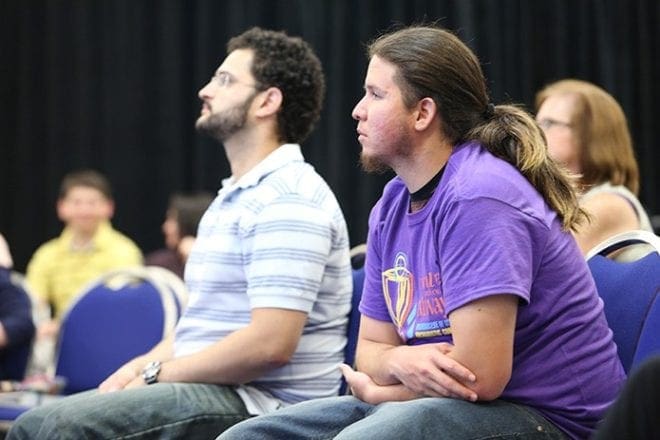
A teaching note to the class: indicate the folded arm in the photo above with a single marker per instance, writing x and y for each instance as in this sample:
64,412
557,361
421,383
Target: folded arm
477,365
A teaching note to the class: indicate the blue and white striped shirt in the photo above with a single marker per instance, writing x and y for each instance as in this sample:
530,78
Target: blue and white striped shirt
275,238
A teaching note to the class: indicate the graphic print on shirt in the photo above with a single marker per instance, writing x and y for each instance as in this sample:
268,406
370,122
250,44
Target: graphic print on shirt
416,306
398,290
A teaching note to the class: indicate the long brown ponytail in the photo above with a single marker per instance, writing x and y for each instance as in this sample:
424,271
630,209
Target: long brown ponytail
512,135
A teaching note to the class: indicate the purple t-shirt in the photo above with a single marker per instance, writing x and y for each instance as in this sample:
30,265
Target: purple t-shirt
487,231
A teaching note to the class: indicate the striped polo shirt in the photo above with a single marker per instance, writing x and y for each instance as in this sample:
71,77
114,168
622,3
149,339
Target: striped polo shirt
276,238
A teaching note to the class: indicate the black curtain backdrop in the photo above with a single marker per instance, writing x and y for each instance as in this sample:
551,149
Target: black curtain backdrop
112,85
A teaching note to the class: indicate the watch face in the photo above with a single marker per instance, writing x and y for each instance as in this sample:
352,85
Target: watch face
150,372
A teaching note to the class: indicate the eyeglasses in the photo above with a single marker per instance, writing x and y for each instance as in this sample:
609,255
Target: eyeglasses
548,123
225,80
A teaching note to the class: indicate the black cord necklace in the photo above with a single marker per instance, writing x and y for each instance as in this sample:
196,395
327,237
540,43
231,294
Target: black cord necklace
425,192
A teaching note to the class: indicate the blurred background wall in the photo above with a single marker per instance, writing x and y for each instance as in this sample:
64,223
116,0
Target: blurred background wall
112,85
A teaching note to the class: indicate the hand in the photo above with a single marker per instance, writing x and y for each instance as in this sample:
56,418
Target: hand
427,370
136,383
121,379
185,246
48,329
360,383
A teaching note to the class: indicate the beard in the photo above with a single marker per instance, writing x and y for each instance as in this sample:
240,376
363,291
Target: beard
222,125
380,164
372,164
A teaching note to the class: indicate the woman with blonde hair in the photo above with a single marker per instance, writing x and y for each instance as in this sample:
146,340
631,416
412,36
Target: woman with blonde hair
587,132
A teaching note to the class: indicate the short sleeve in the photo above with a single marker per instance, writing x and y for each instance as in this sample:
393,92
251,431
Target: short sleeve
286,249
486,248
373,302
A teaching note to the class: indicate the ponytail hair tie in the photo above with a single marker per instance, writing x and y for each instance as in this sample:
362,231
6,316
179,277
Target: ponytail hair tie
489,112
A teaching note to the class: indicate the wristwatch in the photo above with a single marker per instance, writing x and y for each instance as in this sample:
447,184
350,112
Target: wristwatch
150,372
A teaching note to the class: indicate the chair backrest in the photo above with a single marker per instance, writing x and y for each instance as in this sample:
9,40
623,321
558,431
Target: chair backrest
353,328
628,281
354,317
115,318
170,281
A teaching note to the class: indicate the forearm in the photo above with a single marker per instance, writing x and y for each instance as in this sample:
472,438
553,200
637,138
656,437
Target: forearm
372,358
163,352
240,357
389,393
364,388
130,371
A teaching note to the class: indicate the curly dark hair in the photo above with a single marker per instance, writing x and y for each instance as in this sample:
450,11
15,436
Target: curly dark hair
288,63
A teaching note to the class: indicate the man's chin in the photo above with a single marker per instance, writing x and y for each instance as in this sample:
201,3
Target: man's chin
201,122
373,164
203,125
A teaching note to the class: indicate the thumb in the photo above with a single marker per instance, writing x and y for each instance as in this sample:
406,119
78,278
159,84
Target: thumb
346,369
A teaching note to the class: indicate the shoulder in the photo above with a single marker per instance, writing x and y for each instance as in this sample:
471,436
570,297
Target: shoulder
474,174
122,239
474,171
610,215
161,257
393,194
120,243
296,178
47,249
295,186
610,208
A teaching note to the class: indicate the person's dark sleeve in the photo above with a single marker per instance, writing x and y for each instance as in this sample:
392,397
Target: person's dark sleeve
15,311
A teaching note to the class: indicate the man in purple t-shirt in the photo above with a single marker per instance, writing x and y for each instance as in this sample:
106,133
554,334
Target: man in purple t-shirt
480,318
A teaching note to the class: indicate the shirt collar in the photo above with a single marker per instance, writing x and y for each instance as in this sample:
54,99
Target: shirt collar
101,238
278,158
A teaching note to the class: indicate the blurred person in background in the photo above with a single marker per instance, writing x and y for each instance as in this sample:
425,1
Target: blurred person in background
179,229
587,132
87,247
16,327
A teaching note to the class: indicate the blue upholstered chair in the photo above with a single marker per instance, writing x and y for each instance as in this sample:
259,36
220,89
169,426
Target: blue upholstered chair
626,269
354,317
117,317
357,263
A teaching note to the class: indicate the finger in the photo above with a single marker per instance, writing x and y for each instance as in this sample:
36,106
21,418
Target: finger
107,387
454,369
450,387
443,347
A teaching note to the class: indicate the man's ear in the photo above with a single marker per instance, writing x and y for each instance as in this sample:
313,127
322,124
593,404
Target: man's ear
109,209
425,113
270,102
62,209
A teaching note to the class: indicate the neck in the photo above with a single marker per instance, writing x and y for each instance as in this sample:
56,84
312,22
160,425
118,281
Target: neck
424,162
82,239
245,151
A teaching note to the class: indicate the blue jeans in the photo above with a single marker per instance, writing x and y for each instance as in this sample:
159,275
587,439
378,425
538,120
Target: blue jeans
429,418
159,411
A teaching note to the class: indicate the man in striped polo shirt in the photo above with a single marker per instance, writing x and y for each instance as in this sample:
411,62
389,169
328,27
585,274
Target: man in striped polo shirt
269,274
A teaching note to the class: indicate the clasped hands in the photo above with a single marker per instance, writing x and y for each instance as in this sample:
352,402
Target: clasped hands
417,371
